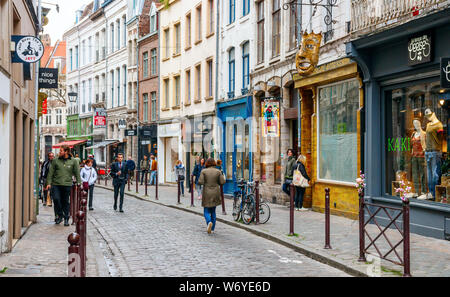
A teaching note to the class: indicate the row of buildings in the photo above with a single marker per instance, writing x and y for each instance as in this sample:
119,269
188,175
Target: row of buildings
226,79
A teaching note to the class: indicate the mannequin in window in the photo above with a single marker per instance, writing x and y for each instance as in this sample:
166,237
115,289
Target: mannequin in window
434,135
418,160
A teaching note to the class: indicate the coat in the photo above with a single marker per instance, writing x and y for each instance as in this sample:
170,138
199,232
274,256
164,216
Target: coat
197,171
123,177
88,174
62,170
289,169
131,165
145,165
211,179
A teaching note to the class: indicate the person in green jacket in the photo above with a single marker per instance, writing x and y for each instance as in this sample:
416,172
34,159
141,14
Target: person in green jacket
289,171
60,181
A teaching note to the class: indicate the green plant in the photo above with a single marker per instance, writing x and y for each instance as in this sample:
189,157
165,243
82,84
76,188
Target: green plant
396,272
295,234
3,270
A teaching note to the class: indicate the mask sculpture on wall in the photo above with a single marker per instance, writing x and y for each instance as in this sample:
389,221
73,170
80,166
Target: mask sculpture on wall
308,55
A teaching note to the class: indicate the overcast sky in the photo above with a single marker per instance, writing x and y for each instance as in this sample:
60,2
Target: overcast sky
60,22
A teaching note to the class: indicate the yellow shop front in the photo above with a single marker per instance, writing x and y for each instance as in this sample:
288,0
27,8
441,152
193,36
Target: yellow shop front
331,105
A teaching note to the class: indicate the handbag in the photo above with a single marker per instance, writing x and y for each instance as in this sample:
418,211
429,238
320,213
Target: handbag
86,184
299,180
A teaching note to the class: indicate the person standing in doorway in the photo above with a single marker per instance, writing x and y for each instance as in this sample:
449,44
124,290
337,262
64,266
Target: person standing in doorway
289,171
145,166
299,191
180,173
199,166
89,176
60,180
131,166
153,170
119,172
211,179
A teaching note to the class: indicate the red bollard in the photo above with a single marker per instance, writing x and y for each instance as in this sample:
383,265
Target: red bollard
72,201
146,174
327,219
156,187
291,211
74,263
257,202
223,200
192,191
137,184
128,181
179,192
406,246
362,256
80,229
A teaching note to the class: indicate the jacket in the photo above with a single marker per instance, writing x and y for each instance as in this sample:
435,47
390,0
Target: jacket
302,169
44,171
62,170
123,177
197,171
180,170
88,174
290,166
211,179
131,165
154,166
145,165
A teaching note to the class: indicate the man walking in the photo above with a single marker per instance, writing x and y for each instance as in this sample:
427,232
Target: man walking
59,179
153,170
119,172
43,176
131,166
145,166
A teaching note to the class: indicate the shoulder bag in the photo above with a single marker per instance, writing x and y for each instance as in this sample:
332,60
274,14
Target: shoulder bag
299,180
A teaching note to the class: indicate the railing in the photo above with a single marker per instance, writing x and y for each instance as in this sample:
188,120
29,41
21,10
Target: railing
366,14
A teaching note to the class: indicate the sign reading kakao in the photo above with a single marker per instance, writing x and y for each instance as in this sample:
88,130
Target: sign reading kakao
419,49
99,118
48,78
445,73
29,49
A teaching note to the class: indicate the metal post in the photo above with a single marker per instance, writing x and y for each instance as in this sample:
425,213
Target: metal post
128,181
327,219
291,211
72,203
137,184
36,118
156,186
80,231
362,256
192,190
145,186
406,246
178,191
257,202
223,200
74,264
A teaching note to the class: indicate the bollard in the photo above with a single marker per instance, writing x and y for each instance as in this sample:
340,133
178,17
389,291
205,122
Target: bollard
291,211
406,246
192,190
223,200
137,184
74,269
156,186
106,177
362,256
178,193
146,175
128,181
327,219
80,229
257,202
72,201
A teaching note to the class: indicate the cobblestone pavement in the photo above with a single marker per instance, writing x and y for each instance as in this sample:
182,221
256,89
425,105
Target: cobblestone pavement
429,256
155,240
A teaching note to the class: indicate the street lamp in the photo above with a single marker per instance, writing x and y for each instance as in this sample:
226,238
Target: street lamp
72,97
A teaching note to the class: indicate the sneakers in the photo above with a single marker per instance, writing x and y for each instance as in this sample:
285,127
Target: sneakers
209,227
303,209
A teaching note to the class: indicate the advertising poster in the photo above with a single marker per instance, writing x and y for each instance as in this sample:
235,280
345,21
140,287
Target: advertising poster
270,116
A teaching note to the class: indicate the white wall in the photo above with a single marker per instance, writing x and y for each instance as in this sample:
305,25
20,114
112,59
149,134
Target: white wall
4,158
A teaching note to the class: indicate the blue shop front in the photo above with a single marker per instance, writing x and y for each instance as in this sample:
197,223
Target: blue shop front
236,130
406,125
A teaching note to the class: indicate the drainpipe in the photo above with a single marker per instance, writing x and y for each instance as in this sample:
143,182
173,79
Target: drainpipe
137,94
36,118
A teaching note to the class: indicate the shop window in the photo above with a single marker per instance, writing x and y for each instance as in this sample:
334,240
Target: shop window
337,139
416,143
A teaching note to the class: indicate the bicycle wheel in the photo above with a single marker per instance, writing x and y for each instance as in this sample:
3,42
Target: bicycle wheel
236,208
248,211
264,213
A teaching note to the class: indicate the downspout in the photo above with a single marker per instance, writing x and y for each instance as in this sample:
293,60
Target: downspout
137,94
105,85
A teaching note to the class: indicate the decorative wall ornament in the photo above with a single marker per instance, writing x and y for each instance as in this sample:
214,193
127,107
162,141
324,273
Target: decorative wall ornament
308,56
328,5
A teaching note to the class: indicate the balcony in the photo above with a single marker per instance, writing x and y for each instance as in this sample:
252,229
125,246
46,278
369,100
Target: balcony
368,16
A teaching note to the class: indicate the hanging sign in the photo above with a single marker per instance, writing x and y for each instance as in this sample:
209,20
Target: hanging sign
419,49
445,73
48,78
130,132
270,117
100,118
29,49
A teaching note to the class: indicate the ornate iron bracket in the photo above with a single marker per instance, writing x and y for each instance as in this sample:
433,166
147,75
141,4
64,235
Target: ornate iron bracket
328,6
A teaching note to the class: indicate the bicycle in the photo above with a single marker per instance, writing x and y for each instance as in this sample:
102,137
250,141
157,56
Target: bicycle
104,173
244,204
238,200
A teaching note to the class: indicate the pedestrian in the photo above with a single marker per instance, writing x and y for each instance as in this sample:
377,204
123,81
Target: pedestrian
89,177
60,180
77,157
145,166
153,170
119,173
199,166
131,166
43,177
180,173
94,163
211,179
289,171
219,165
300,191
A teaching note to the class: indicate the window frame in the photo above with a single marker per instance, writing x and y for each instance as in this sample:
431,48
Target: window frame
276,38
260,22
245,7
145,64
245,65
232,65
232,11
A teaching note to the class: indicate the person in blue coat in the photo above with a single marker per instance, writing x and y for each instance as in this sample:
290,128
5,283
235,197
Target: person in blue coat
131,166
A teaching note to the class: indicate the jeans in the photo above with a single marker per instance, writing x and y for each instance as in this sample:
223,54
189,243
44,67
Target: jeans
119,187
418,174
61,195
298,201
433,170
143,173
153,177
286,186
182,186
210,216
91,195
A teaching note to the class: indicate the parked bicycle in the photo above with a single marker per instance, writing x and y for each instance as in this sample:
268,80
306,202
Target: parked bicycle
104,173
244,204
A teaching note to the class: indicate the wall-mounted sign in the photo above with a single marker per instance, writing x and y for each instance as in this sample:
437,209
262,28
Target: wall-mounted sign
445,73
99,118
419,49
270,116
307,57
29,49
130,132
48,78
122,124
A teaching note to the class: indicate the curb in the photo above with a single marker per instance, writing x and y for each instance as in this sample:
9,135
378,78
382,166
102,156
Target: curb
308,252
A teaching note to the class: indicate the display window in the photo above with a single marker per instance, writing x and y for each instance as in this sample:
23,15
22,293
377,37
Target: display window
417,141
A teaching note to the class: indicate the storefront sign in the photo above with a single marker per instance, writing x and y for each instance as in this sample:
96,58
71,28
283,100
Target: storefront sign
29,49
145,142
445,73
100,118
131,132
419,49
48,78
122,124
270,117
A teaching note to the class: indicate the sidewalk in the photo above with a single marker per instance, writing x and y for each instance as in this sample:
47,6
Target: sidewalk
43,250
429,256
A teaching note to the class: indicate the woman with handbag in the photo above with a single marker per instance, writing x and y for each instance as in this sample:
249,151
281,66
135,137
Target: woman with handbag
89,176
301,182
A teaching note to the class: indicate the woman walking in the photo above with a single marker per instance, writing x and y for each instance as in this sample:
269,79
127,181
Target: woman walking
89,176
199,166
180,173
211,178
299,191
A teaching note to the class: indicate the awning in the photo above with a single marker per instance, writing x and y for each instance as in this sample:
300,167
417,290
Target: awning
70,143
103,144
